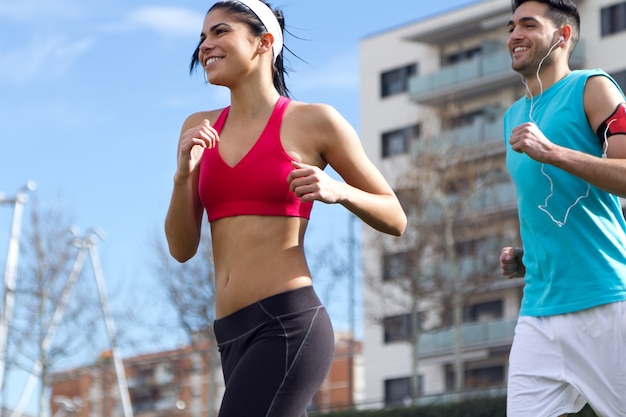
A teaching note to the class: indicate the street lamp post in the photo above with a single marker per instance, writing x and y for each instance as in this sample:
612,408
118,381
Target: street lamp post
10,270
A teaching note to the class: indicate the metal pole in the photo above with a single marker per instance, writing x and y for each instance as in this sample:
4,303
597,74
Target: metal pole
117,361
351,304
10,271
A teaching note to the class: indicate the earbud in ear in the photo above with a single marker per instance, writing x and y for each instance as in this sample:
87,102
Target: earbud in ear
561,39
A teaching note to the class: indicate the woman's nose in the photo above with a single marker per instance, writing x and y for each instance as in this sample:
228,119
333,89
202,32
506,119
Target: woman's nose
206,45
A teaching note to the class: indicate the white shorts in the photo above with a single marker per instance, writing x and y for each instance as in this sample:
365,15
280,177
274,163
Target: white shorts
559,363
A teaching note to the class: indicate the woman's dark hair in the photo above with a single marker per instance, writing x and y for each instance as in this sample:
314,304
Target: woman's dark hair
560,12
247,16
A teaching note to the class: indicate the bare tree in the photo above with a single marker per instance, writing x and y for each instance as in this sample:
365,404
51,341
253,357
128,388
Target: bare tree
190,290
37,343
450,250
456,181
407,278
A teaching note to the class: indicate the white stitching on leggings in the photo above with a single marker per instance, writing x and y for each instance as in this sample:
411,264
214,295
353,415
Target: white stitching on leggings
295,358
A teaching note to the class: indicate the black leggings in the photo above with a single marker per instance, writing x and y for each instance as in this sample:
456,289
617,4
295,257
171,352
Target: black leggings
275,355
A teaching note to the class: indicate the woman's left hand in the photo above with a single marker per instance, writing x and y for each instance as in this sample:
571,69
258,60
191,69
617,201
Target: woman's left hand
309,183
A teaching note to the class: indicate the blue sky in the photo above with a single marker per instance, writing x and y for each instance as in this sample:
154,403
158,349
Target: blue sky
93,94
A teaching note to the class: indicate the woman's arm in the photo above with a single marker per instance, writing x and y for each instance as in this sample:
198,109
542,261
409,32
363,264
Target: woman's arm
183,221
365,191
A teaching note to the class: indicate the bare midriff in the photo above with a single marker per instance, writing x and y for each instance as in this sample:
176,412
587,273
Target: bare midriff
256,257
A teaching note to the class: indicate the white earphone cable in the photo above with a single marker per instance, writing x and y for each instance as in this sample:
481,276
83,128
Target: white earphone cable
544,207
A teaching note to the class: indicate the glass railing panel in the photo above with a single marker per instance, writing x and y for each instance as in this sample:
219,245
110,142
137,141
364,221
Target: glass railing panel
480,66
498,195
473,334
468,70
463,136
480,131
493,130
421,84
496,62
488,199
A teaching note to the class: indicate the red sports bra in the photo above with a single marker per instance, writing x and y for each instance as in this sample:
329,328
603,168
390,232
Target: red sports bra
257,184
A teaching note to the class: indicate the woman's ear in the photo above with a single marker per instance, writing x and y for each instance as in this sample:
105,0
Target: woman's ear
267,40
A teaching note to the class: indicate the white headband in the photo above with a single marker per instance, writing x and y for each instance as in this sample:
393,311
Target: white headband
267,17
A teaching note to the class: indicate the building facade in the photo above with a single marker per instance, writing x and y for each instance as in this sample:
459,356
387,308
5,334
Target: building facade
185,382
433,93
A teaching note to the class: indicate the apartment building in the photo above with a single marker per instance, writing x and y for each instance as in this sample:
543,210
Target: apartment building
184,382
442,85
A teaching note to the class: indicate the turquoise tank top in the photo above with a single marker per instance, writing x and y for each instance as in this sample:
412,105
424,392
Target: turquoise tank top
575,247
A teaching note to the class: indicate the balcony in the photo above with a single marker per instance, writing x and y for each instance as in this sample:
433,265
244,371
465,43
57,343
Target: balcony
496,198
157,379
482,131
489,200
473,335
475,77
467,268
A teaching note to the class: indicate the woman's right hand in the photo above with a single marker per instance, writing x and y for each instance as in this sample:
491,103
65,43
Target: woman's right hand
191,144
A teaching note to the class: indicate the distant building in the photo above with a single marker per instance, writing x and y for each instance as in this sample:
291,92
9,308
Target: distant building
172,383
183,383
446,81
6,412
343,387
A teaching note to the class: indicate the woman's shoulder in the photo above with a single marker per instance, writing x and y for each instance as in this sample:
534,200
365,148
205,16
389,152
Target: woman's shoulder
313,114
196,118
318,126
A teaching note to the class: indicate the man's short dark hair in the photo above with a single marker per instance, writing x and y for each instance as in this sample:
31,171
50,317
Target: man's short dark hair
560,12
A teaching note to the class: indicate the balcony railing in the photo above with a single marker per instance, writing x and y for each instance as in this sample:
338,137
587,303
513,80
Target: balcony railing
472,335
448,398
497,197
478,75
491,199
467,267
483,130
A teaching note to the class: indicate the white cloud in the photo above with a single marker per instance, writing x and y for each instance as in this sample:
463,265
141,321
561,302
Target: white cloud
42,58
165,20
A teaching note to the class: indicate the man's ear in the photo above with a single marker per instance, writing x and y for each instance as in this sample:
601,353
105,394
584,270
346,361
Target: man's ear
566,32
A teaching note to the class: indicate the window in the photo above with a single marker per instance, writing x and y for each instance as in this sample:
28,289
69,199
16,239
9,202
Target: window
473,247
613,19
397,265
396,142
398,392
397,81
145,400
462,56
483,312
620,78
478,378
485,377
398,328
465,119
144,376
